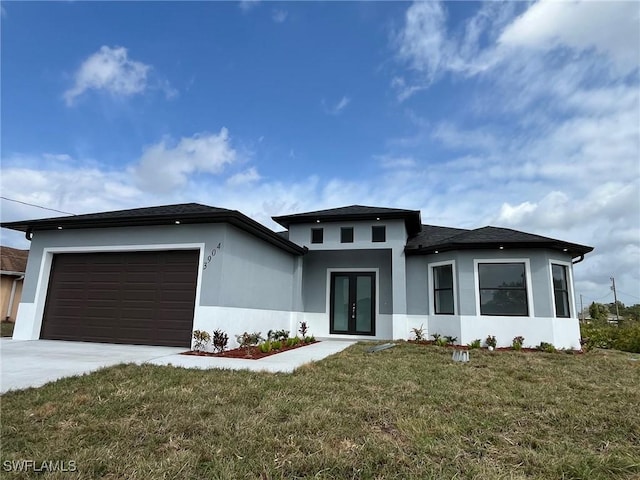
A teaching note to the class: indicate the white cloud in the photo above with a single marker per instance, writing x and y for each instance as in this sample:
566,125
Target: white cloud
279,16
608,27
388,161
111,70
338,107
495,39
248,5
163,168
246,177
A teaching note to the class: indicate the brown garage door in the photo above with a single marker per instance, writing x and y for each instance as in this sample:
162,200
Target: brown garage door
144,298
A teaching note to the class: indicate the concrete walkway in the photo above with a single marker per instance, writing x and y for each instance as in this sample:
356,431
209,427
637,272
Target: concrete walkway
36,362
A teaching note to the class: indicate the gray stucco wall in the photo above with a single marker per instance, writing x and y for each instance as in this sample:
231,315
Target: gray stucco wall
314,278
245,271
255,274
418,287
396,235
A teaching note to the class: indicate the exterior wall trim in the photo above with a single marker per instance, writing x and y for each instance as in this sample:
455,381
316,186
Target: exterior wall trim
355,270
572,299
45,273
430,286
527,270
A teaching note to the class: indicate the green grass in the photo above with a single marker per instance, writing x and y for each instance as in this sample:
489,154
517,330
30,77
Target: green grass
6,329
406,412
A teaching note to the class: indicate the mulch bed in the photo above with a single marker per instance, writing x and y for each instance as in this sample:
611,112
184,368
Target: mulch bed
497,349
252,353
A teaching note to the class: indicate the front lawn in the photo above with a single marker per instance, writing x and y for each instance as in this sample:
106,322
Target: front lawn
406,412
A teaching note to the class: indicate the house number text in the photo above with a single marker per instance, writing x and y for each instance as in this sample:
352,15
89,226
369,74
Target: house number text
210,256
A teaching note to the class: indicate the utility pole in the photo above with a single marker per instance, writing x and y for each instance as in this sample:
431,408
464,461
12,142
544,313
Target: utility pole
581,310
615,298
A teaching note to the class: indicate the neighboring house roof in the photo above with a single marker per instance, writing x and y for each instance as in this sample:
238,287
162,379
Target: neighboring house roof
490,237
354,212
13,261
186,213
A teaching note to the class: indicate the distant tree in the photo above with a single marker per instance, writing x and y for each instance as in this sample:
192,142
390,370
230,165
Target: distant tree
598,311
631,313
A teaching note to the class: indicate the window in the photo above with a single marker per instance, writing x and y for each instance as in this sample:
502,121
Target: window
443,290
379,233
503,289
560,290
317,235
346,235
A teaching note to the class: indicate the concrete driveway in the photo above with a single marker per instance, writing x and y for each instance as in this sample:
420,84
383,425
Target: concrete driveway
36,362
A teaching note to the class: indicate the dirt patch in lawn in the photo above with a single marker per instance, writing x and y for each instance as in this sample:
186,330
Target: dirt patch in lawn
252,353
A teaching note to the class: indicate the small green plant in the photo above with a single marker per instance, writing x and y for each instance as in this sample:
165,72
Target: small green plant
201,338
436,336
477,343
304,329
276,344
491,341
220,341
450,340
292,342
248,340
418,333
546,347
265,347
281,335
310,339
441,341
517,342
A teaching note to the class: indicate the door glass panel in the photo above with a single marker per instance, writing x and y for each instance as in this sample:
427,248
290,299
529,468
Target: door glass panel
341,303
363,304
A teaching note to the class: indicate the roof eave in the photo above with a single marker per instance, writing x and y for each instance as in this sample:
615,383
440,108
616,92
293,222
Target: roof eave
572,249
232,216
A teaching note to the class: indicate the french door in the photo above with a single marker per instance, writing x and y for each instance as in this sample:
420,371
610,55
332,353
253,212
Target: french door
353,303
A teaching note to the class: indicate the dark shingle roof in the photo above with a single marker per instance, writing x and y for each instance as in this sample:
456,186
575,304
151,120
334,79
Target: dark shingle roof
185,213
432,235
354,212
13,260
437,238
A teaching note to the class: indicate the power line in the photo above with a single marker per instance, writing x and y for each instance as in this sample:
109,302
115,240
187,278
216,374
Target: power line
34,205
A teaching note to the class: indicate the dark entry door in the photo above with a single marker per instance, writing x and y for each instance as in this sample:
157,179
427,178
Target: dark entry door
353,303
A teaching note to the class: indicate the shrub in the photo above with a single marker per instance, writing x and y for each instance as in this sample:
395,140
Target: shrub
310,339
281,335
201,338
477,343
220,341
546,347
292,342
276,345
517,342
625,337
450,340
491,341
441,341
247,340
436,336
418,333
304,328
265,347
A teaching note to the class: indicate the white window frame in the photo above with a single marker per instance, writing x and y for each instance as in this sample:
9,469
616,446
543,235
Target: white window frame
431,285
528,286
572,300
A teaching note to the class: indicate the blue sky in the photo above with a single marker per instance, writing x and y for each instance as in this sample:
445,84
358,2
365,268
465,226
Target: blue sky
521,115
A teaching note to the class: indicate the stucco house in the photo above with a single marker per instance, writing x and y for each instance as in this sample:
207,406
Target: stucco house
13,263
153,275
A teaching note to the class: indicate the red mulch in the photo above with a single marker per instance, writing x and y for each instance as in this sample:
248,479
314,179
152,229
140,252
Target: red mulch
252,353
497,349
